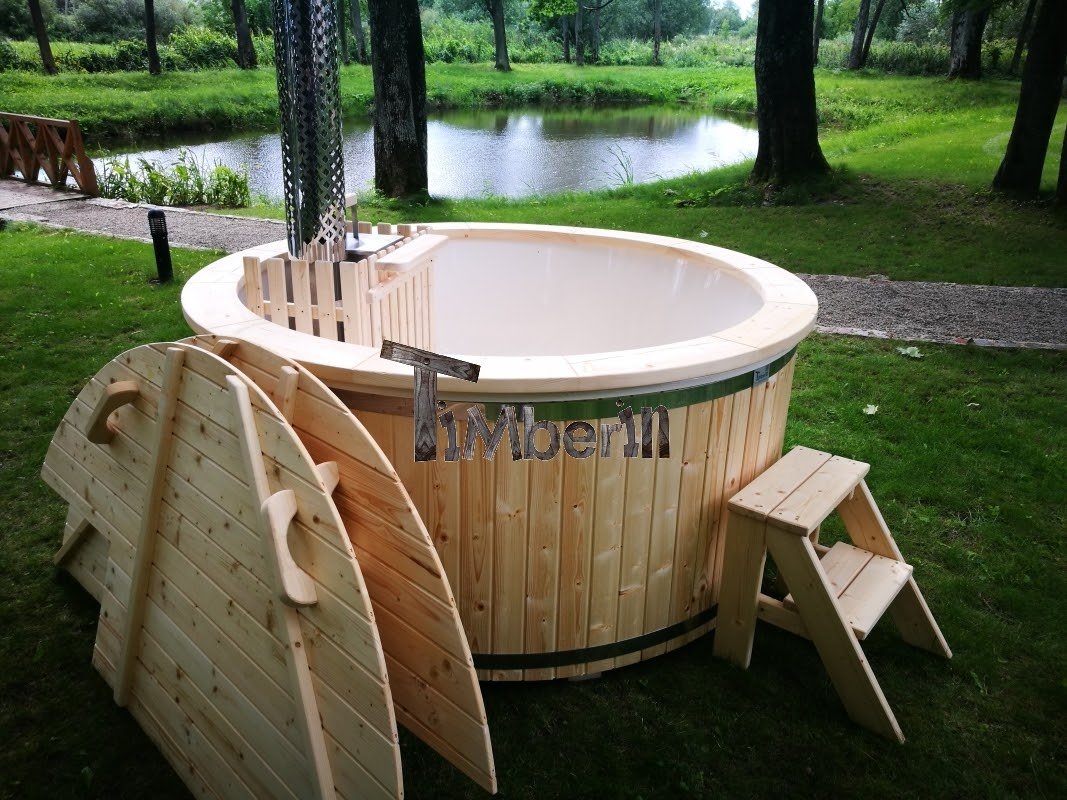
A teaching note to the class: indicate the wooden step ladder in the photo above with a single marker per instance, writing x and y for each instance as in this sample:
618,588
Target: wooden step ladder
838,594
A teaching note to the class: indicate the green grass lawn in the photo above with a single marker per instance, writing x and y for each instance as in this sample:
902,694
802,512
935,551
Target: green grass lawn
967,448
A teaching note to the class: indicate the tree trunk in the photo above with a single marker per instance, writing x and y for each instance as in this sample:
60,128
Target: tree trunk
154,66
966,58
870,30
785,95
859,33
398,65
657,29
500,36
817,32
1020,43
596,34
246,53
565,34
41,32
579,36
1061,183
357,33
342,32
1039,98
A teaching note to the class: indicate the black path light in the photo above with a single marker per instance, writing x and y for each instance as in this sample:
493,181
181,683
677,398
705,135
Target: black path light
157,224
309,102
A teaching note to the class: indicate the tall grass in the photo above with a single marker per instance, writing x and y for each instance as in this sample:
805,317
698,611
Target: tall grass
187,183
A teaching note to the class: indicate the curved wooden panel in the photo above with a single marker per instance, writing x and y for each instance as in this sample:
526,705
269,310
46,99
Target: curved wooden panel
431,673
246,695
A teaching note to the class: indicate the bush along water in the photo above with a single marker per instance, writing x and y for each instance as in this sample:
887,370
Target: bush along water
186,183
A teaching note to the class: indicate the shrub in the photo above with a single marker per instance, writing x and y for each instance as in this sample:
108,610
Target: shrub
187,183
9,59
203,48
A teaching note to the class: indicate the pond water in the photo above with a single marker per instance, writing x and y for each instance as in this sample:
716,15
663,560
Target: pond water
513,153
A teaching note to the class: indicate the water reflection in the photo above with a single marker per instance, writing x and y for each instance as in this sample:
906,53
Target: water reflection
517,153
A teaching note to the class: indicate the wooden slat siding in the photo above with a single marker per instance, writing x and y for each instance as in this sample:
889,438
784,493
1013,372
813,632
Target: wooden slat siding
276,287
542,568
427,278
606,553
578,504
478,508
352,308
333,611
374,332
53,145
87,563
325,302
510,551
661,548
300,274
636,536
734,458
254,285
691,513
418,301
417,614
713,505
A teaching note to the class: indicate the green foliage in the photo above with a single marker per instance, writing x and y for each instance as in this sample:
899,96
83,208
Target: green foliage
202,48
9,58
187,183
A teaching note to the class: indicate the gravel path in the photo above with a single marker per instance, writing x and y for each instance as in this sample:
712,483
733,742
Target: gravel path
876,307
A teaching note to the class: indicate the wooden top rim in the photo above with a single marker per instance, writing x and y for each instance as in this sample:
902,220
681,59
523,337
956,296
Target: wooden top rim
211,304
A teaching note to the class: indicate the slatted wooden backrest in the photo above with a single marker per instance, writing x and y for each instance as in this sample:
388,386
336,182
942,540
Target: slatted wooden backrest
359,302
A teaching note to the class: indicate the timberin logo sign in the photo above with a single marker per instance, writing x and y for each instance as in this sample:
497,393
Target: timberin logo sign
579,439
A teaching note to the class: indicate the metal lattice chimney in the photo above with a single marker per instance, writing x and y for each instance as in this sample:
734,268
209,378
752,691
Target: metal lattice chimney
309,101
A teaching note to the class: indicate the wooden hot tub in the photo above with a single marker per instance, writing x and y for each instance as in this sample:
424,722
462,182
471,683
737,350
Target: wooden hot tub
563,566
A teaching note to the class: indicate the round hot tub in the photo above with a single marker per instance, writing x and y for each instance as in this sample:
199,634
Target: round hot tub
658,371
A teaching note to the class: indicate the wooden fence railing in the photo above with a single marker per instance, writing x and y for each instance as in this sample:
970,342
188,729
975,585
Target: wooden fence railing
31,144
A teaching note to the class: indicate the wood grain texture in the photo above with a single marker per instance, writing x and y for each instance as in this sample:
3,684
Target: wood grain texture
414,607
223,735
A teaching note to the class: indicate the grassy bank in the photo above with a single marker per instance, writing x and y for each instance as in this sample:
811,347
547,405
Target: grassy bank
116,106
968,452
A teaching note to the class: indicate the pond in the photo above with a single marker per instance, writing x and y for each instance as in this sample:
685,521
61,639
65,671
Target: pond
514,153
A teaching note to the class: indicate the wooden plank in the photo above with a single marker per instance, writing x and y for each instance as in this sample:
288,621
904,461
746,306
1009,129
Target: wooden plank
743,561
542,568
146,537
353,308
841,565
633,571
868,596
509,559
833,637
765,493
731,479
692,513
477,514
253,285
578,505
713,508
300,274
325,300
279,301
606,555
809,504
417,253
662,545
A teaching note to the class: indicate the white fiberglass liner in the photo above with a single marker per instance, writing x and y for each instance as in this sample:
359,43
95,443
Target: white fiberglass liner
553,311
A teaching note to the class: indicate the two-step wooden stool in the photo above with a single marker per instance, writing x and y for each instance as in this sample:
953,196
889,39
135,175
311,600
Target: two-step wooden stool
837,594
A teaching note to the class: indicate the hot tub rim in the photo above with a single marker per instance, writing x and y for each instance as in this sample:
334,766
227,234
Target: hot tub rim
785,318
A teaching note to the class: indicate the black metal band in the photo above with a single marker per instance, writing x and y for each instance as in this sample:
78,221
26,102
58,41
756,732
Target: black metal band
587,655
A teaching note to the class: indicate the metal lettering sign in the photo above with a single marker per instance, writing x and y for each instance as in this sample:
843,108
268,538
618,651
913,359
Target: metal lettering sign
579,439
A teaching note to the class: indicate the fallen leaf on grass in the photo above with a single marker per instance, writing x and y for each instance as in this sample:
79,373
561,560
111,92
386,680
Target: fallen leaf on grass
910,352
870,410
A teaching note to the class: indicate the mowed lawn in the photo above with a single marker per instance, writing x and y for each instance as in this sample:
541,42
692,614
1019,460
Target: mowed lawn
967,451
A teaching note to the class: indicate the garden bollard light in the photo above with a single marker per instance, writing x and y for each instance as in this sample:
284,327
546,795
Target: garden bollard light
157,224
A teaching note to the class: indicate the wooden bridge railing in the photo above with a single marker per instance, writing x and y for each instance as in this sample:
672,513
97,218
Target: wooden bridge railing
31,144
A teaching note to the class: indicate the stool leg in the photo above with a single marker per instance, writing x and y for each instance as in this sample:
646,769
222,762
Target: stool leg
867,529
838,647
743,559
